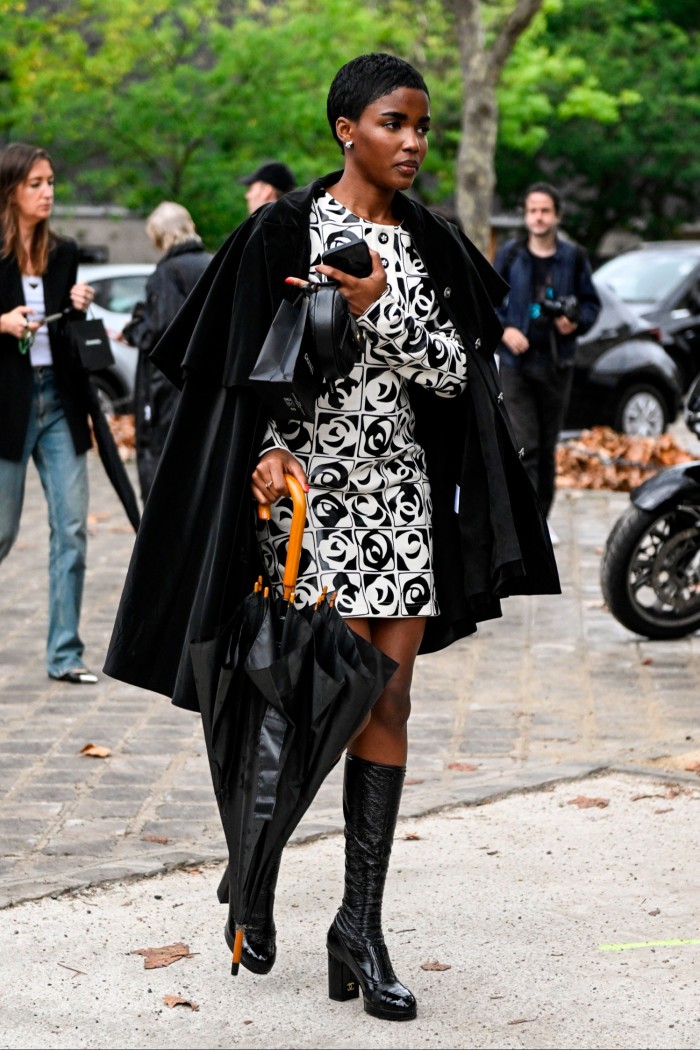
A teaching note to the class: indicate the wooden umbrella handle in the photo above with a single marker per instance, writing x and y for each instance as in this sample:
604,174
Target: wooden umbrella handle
296,532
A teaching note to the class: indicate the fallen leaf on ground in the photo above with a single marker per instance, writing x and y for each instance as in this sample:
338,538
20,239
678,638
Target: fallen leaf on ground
411,836
413,780
523,1020
96,751
161,839
648,662
435,965
668,809
583,802
462,767
93,519
154,958
177,1000
656,911
692,767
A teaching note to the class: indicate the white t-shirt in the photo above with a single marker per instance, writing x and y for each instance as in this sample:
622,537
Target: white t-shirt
40,351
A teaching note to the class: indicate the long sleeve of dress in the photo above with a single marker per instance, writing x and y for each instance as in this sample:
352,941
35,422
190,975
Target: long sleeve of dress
428,352
272,439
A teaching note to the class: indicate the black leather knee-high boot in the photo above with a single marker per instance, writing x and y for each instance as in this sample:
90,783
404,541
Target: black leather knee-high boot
260,941
357,955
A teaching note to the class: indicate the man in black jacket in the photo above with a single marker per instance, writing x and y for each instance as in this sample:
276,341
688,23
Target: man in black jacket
551,301
172,231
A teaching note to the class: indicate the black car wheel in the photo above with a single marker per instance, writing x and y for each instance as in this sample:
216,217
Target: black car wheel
641,411
650,572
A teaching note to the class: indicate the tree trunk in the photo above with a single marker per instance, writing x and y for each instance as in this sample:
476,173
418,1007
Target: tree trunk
476,176
481,69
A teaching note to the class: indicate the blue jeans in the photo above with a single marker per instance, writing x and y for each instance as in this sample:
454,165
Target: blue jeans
64,478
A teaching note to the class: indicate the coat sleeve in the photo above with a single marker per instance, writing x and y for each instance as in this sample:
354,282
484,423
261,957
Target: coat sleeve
589,300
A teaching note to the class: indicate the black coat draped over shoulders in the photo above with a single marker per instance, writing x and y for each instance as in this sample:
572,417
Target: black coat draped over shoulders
196,555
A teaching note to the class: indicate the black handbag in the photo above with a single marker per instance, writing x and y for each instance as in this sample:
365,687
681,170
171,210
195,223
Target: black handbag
333,332
310,340
285,375
90,341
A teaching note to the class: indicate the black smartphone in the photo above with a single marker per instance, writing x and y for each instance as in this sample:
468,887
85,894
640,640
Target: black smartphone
351,257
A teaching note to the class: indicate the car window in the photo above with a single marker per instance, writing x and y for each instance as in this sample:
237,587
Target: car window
120,294
646,277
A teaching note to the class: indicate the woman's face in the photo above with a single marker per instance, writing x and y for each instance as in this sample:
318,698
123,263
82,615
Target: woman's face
34,196
390,139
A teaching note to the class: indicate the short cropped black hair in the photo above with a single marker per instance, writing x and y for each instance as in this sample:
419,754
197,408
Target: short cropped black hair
365,79
545,187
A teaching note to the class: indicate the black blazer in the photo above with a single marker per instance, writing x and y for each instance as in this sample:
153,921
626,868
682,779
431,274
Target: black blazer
196,556
16,369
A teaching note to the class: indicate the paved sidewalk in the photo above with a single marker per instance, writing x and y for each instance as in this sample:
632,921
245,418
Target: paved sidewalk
554,690
555,926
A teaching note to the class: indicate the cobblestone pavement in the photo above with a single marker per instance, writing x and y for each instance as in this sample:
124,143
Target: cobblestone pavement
554,690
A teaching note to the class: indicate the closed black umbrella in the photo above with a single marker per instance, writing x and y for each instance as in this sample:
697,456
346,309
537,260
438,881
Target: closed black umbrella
281,691
109,455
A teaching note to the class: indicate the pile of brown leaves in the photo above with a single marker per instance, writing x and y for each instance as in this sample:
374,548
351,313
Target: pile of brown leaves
601,458
124,434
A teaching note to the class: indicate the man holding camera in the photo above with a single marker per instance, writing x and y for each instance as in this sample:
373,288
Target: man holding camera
551,300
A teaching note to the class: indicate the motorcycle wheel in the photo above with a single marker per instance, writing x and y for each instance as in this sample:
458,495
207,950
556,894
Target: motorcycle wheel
650,571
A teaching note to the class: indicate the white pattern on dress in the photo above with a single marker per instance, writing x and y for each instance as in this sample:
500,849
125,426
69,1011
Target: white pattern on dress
368,534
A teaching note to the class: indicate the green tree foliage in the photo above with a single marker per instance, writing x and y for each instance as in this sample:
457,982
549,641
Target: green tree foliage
141,100
641,169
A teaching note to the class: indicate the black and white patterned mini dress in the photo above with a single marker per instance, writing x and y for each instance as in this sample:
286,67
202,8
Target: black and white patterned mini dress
368,532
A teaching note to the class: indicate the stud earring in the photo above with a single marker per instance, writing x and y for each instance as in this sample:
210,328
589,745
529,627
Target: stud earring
349,144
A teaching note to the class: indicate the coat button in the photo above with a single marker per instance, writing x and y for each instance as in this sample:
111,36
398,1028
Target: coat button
477,344
499,399
447,293
383,238
521,453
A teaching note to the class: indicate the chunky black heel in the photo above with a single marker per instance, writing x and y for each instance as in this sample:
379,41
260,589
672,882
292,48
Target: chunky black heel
260,942
342,983
355,966
357,955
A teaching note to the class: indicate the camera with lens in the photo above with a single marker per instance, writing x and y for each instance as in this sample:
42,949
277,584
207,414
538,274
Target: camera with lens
565,306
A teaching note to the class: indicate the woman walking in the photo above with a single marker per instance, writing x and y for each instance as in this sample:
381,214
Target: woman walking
43,413
419,514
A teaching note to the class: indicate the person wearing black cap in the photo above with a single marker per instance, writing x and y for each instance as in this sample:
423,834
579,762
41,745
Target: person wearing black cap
268,183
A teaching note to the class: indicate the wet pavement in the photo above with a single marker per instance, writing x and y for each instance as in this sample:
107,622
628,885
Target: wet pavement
553,691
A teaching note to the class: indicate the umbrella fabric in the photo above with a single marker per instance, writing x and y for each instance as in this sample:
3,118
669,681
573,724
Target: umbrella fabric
109,454
251,681
217,669
281,691
349,676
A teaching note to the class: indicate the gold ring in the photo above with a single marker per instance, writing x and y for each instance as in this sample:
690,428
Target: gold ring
268,485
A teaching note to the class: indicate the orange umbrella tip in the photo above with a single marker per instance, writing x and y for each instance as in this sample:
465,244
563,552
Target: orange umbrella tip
237,950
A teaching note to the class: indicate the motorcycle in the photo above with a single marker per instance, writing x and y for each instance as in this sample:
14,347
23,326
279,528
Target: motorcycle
650,569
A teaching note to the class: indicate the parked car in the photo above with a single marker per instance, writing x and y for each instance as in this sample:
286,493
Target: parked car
118,287
623,376
660,281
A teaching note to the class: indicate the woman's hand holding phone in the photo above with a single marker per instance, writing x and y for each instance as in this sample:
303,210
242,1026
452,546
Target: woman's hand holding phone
360,291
